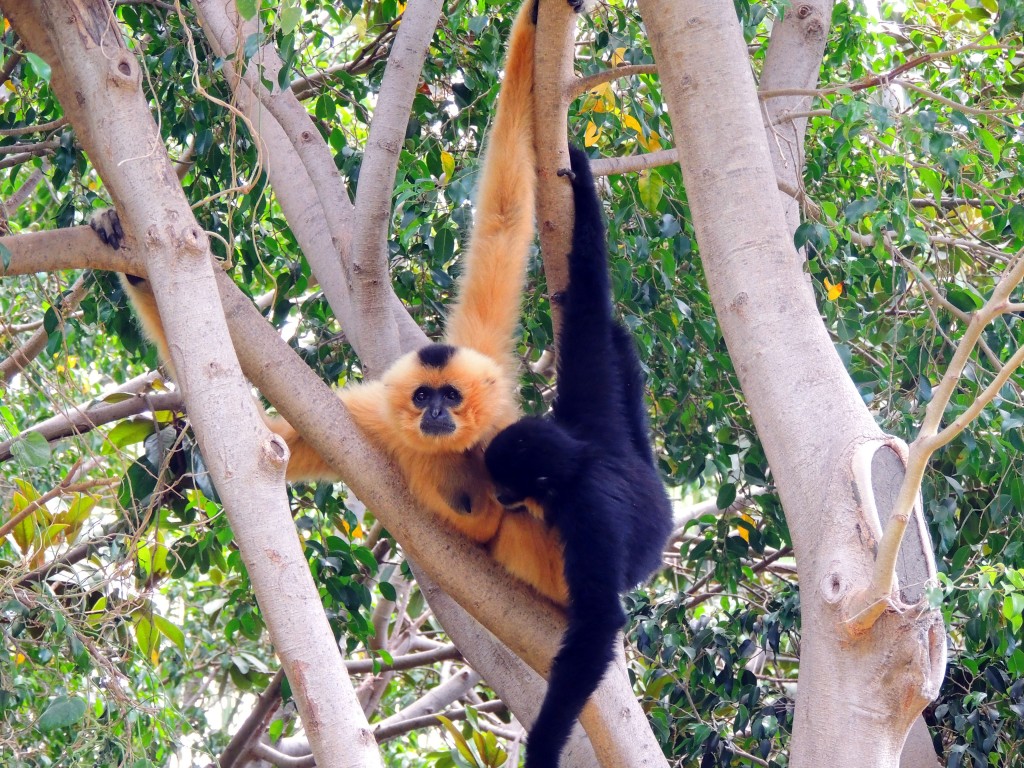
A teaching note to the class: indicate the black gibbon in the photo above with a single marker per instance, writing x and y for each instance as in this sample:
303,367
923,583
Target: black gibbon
435,410
591,468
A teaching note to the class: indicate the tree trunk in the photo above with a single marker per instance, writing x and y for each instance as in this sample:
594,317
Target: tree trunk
99,85
858,693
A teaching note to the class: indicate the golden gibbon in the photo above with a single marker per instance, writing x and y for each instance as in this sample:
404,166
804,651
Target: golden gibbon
435,410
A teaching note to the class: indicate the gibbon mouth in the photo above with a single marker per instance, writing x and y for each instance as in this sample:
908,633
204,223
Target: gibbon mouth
437,428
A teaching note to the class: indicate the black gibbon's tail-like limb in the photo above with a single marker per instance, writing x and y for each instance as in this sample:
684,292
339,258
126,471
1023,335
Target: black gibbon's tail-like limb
591,468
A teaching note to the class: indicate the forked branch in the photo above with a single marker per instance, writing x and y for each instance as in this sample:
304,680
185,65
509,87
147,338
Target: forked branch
871,604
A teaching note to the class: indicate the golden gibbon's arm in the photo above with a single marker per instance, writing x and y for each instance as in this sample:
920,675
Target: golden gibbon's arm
490,287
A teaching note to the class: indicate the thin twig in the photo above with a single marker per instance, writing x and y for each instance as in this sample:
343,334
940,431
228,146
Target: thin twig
584,84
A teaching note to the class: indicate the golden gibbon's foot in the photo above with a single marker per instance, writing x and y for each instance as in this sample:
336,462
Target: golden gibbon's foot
107,225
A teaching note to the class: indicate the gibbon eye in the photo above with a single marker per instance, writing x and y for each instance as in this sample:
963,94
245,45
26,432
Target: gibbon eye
421,395
451,395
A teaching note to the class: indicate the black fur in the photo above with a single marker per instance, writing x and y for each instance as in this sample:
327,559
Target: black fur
592,468
436,355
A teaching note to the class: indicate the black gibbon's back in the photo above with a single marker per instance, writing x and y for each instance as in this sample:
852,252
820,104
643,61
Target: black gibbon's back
592,469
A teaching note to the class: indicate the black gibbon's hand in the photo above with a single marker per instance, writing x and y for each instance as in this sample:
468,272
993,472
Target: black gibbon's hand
107,225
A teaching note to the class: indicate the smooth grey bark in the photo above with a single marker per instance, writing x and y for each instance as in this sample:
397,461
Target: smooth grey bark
793,60
860,692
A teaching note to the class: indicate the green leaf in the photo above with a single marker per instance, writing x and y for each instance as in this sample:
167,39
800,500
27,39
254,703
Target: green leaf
652,188
990,143
136,485
40,67
933,180
858,209
444,244
291,15
460,741
31,449
128,433
726,495
387,589
964,300
1016,578
1013,606
170,631
5,256
146,636
62,712
1017,219
246,8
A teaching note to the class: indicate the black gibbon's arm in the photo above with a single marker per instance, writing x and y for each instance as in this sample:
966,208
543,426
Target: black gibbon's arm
592,469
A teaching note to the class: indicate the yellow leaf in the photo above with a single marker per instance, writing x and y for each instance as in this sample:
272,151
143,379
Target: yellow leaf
631,122
742,530
833,291
592,134
600,98
618,57
448,166
652,143
20,658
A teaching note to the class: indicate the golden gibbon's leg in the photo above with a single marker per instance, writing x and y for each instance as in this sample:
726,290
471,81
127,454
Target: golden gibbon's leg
530,550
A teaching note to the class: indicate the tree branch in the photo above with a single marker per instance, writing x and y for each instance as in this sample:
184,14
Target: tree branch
391,730
408,661
552,75
255,725
98,83
36,343
78,420
57,249
868,606
303,203
610,166
371,283
581,85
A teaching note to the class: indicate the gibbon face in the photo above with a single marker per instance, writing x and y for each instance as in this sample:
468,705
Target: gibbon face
445,398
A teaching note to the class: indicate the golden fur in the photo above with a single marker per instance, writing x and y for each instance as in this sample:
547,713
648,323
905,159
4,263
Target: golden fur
446,473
